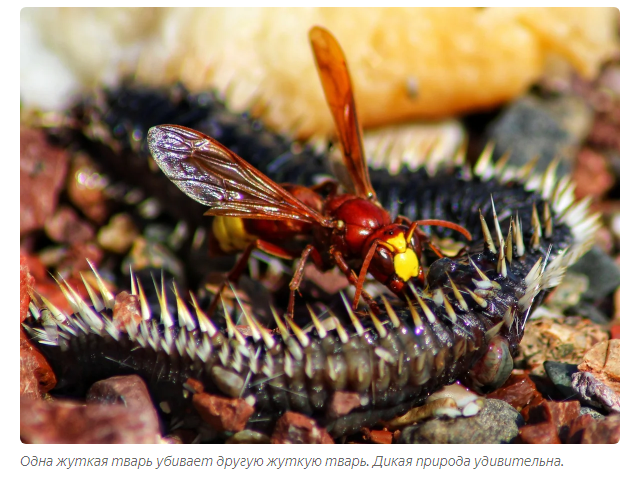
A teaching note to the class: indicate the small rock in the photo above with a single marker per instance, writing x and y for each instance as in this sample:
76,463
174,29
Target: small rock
549,129
222,413
66,227
578,426
560,414
497,422
69,422
249,437
602,272
36,376
118,235
382,437
545,432
295,428
342,403
554,339
518,391
85,188
127,311
26,287
603,362
605,431
592,175
42,174
561,376
592,412
594,392
128,390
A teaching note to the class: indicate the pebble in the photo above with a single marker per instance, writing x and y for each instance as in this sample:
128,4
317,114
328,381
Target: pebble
70,422
601,271
127,390
559,414
27,282
126,312
342,403
594,392
497,422
118,235
36,376
556,339
592,174
222,413
561,376
602,432
295,428
249,437
540,433
85,189
518,391
603,361
64,226
549,129
42,174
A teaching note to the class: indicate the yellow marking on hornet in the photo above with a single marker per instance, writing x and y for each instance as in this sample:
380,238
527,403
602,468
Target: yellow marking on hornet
398,242
406,264
231,234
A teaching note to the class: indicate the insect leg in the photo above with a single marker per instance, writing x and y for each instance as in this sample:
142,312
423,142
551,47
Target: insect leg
351,276
299,273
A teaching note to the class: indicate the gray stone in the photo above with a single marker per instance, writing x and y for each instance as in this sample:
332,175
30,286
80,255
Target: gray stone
497,422
561,376
602,273
547,128
592,412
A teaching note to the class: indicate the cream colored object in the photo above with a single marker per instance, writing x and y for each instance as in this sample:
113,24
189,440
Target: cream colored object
405,63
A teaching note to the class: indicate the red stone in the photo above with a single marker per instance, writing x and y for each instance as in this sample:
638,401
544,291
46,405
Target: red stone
127,311
26,287
71,422
545,432
128,390
577,427
383,437
591,174
342,403
42,172
222,413
518,391
194,385
299,429
602,432
36,376
66,227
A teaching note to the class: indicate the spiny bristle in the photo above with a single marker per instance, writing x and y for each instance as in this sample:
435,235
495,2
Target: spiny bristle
184,316
483,167
459,298
299,334
382,331
342,333
316,323
146,312
96,302
449,309
508,243
108,297
391,313
205,324
547,220
418,322
352,316
480,300
549,179
525,172
497,227
518,238
535,240
489,242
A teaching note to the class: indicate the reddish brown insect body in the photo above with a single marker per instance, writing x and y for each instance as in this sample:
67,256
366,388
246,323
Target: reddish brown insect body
252,212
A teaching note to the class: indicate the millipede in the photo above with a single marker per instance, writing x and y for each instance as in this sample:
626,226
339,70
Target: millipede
466,322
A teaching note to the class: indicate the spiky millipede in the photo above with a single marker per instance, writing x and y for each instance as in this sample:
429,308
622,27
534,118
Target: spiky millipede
472,302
